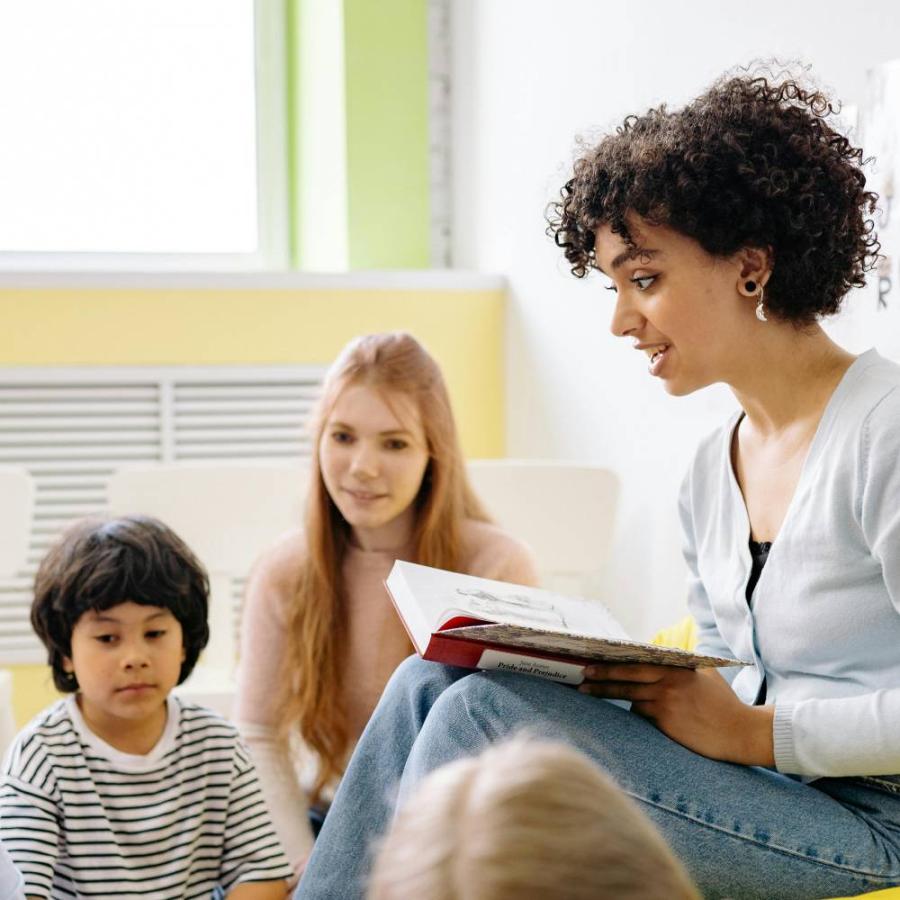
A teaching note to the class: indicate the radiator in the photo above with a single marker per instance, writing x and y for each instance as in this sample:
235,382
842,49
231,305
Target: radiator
72,427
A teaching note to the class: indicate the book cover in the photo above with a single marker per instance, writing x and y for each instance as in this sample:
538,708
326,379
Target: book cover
477,623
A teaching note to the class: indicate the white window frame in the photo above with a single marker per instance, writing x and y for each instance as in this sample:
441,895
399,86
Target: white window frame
273,205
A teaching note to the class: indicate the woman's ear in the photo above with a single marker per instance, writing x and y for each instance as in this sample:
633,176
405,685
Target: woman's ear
755,266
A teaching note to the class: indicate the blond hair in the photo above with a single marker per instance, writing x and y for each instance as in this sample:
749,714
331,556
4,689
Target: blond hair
316,631
526,820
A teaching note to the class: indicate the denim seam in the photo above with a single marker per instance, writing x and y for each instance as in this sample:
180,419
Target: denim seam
889,880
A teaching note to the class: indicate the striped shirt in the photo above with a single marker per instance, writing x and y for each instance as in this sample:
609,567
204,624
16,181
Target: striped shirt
82,819
10,879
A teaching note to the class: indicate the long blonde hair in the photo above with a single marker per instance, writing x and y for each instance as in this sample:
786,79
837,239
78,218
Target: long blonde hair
317,627
526,820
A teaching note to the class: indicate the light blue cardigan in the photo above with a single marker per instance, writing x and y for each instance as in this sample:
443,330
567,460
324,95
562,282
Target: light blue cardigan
824,627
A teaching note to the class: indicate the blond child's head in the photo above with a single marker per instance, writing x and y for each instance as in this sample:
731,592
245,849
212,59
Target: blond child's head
526,819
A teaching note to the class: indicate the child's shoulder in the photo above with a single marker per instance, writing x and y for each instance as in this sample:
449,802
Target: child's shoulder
50,733
199,723
204,733
52,717
196,716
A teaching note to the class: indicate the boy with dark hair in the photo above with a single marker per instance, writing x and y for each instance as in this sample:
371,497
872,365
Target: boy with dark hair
121,789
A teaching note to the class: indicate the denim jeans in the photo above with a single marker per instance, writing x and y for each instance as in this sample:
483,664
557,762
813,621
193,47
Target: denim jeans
742,832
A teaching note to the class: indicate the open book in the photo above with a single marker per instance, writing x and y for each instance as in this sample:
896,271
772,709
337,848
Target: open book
476,623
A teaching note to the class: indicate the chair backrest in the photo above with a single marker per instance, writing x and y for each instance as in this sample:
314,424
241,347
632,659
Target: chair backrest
7,720
565,511
228,513
16,509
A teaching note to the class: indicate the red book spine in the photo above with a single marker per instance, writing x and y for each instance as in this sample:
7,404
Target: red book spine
453,652
467,654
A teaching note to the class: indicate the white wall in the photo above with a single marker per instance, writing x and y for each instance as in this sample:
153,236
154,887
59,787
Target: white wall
528,76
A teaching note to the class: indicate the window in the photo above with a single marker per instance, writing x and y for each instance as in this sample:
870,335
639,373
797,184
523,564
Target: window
147,129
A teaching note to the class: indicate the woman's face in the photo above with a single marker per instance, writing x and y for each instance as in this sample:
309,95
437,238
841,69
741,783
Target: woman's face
679,305
373,455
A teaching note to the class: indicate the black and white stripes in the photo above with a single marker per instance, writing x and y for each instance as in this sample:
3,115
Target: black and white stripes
81,819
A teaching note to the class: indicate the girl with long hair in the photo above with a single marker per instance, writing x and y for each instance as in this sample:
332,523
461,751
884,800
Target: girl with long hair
320,637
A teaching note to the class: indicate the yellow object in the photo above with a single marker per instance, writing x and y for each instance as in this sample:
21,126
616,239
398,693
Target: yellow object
887,894
683,635
463,329
283,325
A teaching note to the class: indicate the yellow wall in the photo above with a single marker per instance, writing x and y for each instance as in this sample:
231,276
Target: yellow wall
180,326
32,691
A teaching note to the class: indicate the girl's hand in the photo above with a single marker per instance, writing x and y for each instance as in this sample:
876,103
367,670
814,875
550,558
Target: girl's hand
695,707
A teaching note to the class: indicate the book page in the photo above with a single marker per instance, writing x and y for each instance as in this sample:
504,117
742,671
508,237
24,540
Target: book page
580,646
448,595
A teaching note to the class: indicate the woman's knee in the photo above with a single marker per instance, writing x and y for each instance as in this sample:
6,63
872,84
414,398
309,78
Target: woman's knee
494,703
478,710
497,704
419,682
411,671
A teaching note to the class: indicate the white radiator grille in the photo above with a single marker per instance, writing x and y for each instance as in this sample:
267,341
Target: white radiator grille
71,428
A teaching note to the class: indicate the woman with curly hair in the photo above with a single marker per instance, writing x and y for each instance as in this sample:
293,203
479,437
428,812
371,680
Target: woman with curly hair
727,229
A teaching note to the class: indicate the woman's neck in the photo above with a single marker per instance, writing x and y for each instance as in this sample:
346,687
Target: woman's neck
790,378
386,538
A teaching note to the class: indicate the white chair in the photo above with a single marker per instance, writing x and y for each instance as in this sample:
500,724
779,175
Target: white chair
230,513
564,511
227,514
16,509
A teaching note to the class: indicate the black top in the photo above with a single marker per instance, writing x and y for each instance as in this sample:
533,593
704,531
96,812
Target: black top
759,553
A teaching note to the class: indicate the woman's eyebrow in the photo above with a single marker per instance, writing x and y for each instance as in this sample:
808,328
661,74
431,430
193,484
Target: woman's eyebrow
632,253
382,433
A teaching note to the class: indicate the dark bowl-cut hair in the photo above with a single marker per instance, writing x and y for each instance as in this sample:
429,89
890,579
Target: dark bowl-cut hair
101,562
752,162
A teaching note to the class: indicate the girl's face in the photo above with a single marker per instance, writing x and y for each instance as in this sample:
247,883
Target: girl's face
679,305
373,455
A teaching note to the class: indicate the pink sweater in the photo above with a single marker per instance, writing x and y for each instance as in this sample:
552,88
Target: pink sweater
377,645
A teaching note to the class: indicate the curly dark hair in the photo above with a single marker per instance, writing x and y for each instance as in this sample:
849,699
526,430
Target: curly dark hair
750,163
99,563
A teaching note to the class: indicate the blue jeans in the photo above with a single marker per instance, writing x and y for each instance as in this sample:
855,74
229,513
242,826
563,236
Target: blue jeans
742,832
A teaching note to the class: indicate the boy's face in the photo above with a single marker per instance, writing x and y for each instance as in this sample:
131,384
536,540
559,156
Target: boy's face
127,659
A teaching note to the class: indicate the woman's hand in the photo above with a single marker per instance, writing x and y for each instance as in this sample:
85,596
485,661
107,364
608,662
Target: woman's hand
695,707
